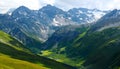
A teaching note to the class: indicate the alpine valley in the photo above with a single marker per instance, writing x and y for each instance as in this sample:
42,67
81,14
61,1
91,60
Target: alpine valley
50,38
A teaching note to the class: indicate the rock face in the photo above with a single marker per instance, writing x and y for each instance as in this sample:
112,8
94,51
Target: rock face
84,15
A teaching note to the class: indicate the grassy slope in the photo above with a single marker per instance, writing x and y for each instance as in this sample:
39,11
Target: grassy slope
95,50
6,62
58,57
18,57
58,52
100,50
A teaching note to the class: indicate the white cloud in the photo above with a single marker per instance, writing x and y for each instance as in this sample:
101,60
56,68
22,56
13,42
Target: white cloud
5,5
100,4
49,2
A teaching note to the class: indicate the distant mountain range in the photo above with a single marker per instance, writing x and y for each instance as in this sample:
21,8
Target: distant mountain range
40,24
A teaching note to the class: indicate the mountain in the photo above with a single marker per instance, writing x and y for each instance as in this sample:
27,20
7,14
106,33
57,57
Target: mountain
61,35
54,17
11,27
15,55
55,47
84,15
10,11
22,10
88,46
36,26
109,20
72,37
81,37
29,22
51,14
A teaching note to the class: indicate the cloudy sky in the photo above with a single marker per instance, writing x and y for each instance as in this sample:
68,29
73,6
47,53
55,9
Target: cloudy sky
5,5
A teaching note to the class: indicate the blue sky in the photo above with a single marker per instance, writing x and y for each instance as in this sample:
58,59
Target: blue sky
5,5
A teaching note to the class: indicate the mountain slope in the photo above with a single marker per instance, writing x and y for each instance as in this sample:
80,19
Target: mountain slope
61,35
11,27
109,20
97,50
92,48
9,63
100,48
104,47
55,47
18,55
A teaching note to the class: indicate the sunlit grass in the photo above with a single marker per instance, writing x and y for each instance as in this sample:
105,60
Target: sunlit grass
80,36
62,57
8,40
9,63
46,53
14,55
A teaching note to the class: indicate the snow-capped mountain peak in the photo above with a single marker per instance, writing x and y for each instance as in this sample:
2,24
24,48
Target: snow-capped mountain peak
42,23
83,15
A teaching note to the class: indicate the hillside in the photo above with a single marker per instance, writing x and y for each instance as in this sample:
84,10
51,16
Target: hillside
99,50
95,46
59,45
14,55
96,50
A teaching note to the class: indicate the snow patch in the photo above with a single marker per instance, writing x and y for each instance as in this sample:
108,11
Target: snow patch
81,18
80,12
